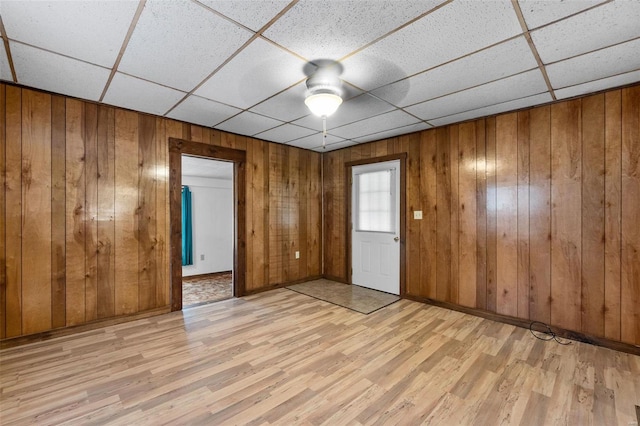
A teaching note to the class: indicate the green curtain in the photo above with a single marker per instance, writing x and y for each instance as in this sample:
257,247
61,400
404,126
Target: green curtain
187,239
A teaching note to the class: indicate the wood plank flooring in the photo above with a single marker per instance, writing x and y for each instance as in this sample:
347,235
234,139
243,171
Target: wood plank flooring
281,357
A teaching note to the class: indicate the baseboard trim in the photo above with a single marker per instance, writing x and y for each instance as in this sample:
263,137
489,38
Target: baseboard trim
74,329
519,322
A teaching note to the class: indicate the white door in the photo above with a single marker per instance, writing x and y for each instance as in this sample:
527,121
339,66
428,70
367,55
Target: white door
375,226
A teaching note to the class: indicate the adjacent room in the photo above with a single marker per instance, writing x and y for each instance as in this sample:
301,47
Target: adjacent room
320,212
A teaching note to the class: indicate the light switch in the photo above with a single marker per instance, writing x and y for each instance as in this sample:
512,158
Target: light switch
297,255
417,214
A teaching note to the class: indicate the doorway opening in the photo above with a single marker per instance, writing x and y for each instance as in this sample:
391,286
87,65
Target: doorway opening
232,158
207,230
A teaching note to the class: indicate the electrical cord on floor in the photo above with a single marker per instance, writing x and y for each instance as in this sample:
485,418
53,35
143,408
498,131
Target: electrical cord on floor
547,334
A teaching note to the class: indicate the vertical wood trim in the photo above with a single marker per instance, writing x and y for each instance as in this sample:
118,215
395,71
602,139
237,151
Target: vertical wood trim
90,138
302,198
315,215
240,226
428,231
630,256
565,215
492,192
468,215
36,218
540,214
507,213
612,214
293,221
126,209
593,233
13,212
106,213
75,214
523,172
481,215
58,212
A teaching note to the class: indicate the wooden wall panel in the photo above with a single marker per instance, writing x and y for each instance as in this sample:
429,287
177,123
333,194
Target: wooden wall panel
443,203
90,139
481,215
612,218
75,212
106,265
554,231
540,214
13,211
523,214
36,211
467,212
126,208
565,215
429,226
507,214
146,212
593,238
58,212
314,219
630,255
3,253
161,241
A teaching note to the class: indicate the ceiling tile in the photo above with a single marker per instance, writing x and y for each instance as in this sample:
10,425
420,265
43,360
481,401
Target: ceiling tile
259,71
202,111
285,133
494,109
540,12
379,123
92,31
595,86
503,60
315,141
5,69
517,86
600,64
355,109
59,74
287,106
393,132
254,17
132,93
457,29
178,44
580,34
248,124
332,29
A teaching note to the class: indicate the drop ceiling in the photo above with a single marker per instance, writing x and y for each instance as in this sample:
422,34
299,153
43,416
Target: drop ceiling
239,66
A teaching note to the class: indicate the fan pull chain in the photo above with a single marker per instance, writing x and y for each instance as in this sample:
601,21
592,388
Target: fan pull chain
324,132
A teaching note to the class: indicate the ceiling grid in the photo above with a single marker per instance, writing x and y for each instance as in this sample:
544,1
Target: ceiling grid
241,66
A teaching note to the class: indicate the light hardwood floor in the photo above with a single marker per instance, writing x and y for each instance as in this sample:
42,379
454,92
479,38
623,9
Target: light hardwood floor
281,357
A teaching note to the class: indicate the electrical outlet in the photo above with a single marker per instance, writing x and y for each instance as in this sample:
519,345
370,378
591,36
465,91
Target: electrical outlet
202,257
417,214
297,255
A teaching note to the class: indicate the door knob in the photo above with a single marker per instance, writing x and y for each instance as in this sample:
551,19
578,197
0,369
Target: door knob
396,239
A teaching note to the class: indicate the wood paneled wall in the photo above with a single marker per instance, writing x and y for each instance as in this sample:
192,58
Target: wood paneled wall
84,232
533,214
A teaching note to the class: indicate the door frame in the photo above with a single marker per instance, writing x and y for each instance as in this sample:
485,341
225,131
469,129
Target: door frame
348,201
178,147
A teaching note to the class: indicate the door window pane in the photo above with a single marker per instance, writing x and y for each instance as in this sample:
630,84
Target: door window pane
374,201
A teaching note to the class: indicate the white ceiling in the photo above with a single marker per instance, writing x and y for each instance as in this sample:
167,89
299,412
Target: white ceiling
206,168
237,65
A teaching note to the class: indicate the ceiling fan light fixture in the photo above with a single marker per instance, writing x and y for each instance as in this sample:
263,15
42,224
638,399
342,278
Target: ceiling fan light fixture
323,104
